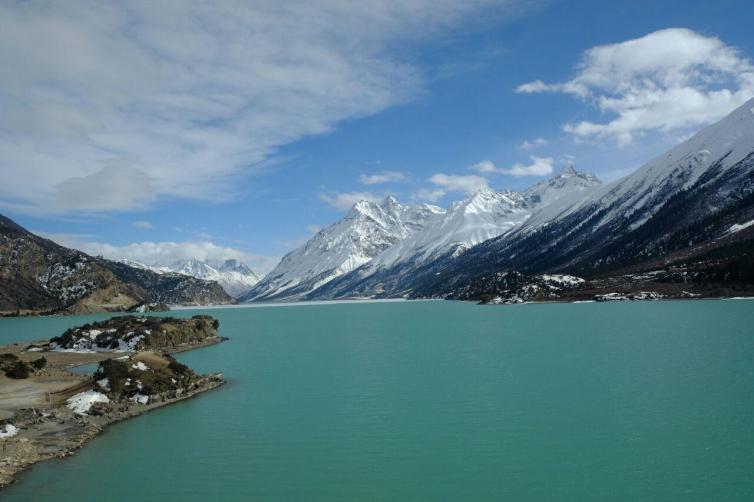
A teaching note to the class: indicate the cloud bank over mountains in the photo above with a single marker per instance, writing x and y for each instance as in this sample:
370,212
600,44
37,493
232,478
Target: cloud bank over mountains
159,254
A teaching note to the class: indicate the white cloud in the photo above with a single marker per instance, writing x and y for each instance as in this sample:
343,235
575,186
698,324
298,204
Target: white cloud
383,177
540,166
446,183
313,228
485,166
161,254
145,225
535,143
429,194
190,96
668,80
459,183
345,200
110,188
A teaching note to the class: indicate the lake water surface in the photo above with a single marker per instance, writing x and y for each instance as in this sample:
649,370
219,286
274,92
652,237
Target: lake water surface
438,401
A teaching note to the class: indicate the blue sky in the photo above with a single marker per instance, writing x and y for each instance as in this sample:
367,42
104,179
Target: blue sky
238,130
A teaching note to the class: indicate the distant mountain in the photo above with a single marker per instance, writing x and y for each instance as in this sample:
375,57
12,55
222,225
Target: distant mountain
232,275
367,230
38,275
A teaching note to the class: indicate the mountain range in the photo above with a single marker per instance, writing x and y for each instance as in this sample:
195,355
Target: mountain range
40,276
233,276
682,225
686,217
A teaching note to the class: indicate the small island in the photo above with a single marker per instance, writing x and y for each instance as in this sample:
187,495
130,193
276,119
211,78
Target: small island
47,411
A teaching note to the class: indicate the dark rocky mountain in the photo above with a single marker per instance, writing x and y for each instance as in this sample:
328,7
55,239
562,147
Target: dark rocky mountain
38,275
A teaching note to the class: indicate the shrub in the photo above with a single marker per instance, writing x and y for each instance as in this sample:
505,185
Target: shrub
40,363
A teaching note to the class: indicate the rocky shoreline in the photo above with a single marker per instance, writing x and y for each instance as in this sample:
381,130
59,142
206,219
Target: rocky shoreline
670,283
64,432
48,412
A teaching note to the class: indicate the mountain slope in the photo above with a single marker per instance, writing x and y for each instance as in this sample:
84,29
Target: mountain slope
693,203
39,275
367,229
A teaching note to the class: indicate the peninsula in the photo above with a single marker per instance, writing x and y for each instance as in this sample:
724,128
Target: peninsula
47,411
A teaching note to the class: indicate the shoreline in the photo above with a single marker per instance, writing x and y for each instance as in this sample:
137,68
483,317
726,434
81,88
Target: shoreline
179,308
298,303
49,411
73,432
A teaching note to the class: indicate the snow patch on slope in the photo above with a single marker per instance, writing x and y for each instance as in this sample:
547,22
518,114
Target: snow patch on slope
83,401
737,227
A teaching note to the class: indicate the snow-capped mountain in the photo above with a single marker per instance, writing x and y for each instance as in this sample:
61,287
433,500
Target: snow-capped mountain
483,216
366,231
697,198
679,207
232,275
142,266
567,183
376,248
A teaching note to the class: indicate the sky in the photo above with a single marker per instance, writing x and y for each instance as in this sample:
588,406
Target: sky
159,131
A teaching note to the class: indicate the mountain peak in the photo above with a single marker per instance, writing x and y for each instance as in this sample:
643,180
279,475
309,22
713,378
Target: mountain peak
367,229
483,192
389,201
361,205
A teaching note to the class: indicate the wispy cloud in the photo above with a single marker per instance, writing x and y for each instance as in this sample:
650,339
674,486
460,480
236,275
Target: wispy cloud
429,194
535,143
666,81
142,224
165,253
539,166
181,99
446,183
345,200
383,177
459,183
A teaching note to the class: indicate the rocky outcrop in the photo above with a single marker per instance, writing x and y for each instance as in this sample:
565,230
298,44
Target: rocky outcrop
131,334
143,378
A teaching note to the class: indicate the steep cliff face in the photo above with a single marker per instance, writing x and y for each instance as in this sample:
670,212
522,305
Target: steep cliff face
38,275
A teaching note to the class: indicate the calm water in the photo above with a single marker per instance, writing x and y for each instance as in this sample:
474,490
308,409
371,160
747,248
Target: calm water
440,401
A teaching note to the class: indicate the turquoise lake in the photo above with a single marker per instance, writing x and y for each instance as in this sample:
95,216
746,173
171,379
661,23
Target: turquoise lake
438,401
